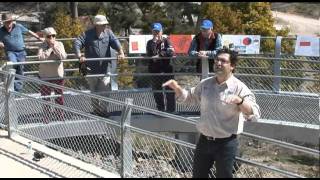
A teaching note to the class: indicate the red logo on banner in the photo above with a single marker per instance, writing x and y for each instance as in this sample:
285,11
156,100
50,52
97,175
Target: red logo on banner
181,43
246,41
305,43
134,46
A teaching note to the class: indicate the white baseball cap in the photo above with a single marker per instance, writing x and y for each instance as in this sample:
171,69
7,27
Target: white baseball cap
49,31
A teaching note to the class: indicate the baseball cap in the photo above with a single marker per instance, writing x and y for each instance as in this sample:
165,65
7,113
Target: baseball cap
206,24
7,17
156,27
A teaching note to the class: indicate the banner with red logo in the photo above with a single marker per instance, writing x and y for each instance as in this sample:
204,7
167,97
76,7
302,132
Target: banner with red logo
307,46
244,44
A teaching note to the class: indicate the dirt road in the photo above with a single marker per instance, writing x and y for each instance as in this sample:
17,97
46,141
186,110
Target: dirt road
298,25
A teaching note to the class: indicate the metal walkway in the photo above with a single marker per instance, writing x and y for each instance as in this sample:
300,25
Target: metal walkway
17,161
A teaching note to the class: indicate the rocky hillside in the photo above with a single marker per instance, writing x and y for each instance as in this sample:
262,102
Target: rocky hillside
307,9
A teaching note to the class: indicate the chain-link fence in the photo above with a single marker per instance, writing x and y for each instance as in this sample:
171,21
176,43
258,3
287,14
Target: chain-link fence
297,84
133,151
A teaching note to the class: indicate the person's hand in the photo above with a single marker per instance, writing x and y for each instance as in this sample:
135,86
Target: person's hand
202,54
42,39
155,38
51,44
171,84
162,53
1,45
232,99
120,56
82,59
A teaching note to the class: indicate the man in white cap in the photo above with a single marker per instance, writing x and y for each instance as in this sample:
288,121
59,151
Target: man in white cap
52,50
97,42
11,39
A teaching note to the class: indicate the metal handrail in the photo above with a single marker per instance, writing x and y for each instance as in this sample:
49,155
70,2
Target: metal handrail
146,109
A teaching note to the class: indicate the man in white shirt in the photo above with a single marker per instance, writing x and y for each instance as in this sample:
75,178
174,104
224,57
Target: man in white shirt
225,102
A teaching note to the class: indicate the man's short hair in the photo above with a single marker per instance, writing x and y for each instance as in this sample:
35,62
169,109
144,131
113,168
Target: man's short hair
233,55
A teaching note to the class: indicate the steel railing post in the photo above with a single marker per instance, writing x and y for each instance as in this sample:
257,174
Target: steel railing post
10,114
277,65
126,144
205,67
113,71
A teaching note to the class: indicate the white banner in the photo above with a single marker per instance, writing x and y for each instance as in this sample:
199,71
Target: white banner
244,44
307,46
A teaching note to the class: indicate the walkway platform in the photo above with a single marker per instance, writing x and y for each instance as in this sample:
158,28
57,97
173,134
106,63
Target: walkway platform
18,162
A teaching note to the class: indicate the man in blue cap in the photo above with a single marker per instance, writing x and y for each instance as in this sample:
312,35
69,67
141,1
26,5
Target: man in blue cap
205,44
160,46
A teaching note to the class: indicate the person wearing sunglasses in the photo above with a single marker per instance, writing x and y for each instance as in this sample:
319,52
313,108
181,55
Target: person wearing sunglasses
205,44
52,72
225,103
11,39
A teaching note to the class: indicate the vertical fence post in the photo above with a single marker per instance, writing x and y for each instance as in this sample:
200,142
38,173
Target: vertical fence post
277,65
126,146
113,70
205,67
10,114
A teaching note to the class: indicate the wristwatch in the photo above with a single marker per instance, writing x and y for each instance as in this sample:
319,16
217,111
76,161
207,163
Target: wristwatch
241,101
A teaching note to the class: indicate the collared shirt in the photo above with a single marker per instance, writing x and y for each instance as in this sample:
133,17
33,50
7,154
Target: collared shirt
97,47
13,41
218,119
210,53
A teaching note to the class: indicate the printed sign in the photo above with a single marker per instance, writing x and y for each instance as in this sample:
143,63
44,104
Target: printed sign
244,44
138,43
307,46
181,43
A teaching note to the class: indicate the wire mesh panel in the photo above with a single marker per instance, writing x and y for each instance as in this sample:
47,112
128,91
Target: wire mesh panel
154,157
2,106
289,107
88,138
279,157
162,156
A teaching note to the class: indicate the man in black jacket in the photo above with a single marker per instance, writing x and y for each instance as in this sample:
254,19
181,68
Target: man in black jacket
160,46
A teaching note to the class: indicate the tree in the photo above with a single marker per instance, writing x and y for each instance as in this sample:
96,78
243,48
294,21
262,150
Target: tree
152,12
122,15
226,20
66,27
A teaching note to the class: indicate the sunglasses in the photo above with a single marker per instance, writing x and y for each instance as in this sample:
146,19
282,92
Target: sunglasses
49,36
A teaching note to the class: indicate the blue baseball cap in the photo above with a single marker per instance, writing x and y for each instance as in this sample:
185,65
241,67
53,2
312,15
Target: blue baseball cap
156,27
206,24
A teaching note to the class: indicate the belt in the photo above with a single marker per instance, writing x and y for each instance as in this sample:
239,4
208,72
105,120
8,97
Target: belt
233,136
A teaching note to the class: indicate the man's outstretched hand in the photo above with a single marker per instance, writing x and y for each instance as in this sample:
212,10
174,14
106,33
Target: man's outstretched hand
174,86
171,84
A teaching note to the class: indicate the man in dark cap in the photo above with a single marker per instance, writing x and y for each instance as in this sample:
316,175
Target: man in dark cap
205,44
11,39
